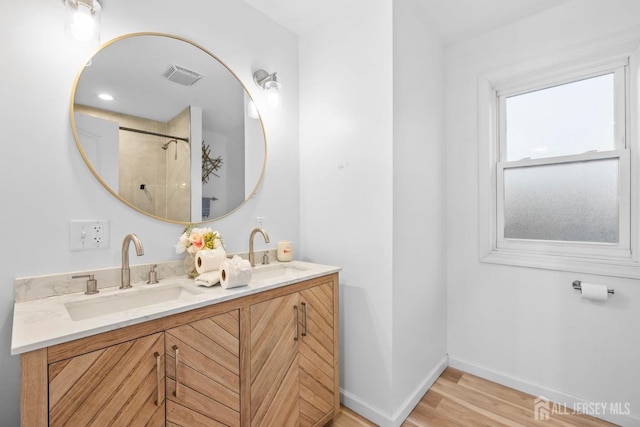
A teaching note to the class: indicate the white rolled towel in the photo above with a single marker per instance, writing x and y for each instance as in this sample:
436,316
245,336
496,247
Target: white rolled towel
209,278
235,272
210,259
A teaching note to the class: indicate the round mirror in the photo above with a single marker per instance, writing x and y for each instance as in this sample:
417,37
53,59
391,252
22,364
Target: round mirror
168,128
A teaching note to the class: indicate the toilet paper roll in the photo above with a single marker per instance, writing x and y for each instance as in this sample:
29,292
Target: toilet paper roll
594,292
235,272
210,259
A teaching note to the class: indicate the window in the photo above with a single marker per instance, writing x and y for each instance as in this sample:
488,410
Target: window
562,157
557,189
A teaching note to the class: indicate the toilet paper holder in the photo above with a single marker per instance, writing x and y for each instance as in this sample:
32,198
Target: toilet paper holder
577,284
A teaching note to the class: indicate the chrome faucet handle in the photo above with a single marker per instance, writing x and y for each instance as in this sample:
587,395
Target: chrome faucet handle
92,283
265,258
153,275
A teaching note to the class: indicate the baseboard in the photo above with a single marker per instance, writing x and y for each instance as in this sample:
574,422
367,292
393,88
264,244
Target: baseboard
385,419
412,401
536,390
365,409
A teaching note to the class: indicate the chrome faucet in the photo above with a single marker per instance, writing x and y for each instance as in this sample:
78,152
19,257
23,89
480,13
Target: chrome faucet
125,277
253,235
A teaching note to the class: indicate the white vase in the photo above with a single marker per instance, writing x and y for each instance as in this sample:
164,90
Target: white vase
190,265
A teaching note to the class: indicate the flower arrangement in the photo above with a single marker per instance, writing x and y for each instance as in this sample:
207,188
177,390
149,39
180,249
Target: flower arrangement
194,239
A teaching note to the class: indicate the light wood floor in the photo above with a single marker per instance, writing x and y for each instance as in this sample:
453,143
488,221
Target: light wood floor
461,399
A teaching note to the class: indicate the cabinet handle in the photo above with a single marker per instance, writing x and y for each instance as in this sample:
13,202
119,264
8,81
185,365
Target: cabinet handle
176,351
304,319
158,377
295,309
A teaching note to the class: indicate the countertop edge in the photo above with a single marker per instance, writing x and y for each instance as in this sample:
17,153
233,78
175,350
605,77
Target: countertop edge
235,293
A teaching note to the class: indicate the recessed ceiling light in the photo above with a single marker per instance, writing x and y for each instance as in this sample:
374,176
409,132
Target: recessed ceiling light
105,97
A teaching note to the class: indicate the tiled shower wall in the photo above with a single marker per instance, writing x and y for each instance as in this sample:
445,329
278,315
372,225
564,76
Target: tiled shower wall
155,180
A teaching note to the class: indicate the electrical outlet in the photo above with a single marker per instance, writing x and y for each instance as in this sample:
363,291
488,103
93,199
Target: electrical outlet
88,234
260,221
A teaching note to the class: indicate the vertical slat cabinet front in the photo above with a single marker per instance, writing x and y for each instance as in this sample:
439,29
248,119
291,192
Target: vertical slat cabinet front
203,372
317,380
274,362
118,385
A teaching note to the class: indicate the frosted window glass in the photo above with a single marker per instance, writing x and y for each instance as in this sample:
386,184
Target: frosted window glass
568,119
575,202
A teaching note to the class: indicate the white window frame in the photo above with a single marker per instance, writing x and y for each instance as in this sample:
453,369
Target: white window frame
619,259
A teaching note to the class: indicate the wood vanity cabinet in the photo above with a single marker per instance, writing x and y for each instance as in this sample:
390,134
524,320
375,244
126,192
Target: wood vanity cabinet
292,359
275,362
203,371
319,394
269,358
119,385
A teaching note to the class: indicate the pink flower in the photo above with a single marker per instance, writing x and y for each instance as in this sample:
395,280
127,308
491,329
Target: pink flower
197,242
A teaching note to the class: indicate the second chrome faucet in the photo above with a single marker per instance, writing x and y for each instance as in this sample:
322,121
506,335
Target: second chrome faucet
251,237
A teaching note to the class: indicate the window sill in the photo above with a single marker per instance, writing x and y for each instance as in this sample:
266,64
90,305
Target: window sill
618,268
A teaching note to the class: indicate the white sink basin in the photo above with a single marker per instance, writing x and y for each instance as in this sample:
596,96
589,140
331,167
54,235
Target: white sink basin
268,272
126,300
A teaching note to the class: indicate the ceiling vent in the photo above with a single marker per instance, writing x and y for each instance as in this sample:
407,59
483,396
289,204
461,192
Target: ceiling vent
181,75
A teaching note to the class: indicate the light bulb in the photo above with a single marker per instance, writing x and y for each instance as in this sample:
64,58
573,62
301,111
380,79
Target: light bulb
83,24
273,96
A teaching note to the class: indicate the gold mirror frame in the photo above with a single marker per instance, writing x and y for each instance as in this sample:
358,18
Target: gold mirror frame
105,184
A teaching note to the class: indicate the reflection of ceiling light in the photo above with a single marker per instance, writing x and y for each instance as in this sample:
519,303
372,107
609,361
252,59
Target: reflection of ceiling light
82,20
270,84
105,97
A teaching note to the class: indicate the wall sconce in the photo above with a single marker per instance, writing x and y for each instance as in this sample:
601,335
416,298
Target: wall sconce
270,84
82,20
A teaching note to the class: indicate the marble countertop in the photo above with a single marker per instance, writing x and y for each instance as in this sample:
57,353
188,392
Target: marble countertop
46,322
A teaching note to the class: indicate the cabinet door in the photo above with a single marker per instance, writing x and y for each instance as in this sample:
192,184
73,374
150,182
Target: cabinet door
203,372
317,364
274,362
118,385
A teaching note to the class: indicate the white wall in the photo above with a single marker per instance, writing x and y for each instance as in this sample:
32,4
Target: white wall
346,172
44,182
527,327
419,282
372,196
